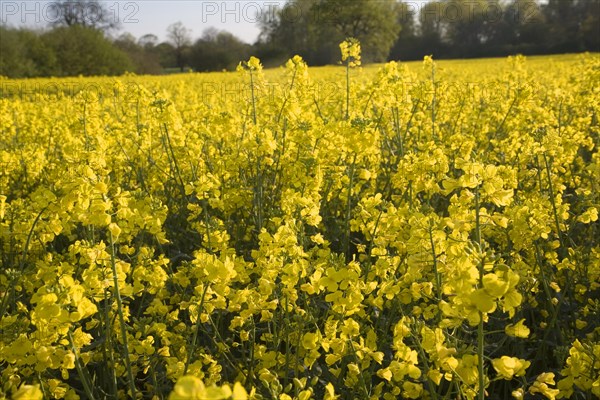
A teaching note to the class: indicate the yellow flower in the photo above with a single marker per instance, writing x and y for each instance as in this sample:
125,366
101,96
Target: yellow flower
467,368
580,324
517,330
191,388
305,395
47,307
114,230
350,328
502,197
81,338
330,392
28,392
188,388
507,367
239,393
364,174
68,361
350,49
483,301
2,206
590,215
253,64
495,286
541,385
86,308
318,239
412,390
385,373
428,62
309,340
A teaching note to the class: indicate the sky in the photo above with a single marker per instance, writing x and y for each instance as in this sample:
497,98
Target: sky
154,16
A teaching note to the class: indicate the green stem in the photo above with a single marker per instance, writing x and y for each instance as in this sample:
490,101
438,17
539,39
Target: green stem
253,98
553,202
207,223
121,317
480,344
433,102
196,331
175,166
225,350
362,376
348,209
438,277
84,379
347,90
85,134
396,118
6,297
287,324
107,348
480,331
287,97
430,387
44,395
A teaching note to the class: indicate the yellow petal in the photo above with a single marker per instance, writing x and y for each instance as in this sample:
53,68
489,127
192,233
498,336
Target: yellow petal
483,301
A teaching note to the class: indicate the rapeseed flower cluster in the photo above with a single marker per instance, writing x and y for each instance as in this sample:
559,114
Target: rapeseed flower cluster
425,231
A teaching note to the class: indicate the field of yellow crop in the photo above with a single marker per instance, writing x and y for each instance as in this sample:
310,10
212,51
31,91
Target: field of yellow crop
421,230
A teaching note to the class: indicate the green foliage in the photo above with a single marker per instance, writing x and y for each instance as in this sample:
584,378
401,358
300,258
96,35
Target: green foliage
314,28
373,23
85,51
484,28
62,51
218,50
24,54
145,57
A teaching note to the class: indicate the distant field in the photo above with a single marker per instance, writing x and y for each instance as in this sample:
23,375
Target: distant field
409,230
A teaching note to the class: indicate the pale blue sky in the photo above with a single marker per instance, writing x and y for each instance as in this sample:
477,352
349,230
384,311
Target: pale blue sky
154,16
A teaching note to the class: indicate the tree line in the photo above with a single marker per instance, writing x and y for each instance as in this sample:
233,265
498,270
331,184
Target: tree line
387,29
491,28
407,30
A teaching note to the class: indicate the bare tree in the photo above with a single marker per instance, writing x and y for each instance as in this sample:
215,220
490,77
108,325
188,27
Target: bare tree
87,13
179,36
148,41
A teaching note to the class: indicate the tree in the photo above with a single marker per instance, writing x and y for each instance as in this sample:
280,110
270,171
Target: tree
590,25
373,23
85,51
430,29
218,50
144,59
466,24
166,55
24,55
407,46
522,29
292,30
572,25
87,13
148,41
314,28
179,37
